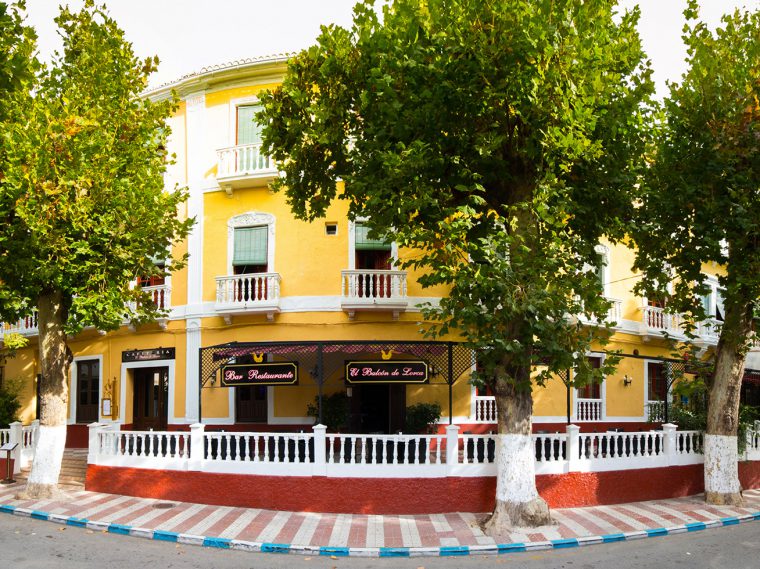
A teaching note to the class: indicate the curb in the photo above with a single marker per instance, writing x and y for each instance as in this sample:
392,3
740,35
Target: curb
316,550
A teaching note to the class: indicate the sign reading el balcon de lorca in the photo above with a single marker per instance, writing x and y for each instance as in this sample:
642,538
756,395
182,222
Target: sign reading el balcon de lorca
414,371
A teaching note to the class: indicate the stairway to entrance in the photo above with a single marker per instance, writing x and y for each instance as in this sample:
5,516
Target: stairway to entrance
73,468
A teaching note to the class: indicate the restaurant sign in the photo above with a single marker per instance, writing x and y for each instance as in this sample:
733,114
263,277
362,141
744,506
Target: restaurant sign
269,373
148,355
414,371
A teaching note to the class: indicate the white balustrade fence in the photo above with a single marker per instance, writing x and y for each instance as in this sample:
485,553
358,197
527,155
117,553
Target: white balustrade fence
243,160
25,437
485,409
373,285
160,295
588,409
655,319
249,290
388,456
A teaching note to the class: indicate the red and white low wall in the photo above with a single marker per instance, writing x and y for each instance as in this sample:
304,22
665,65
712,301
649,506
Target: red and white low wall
394,474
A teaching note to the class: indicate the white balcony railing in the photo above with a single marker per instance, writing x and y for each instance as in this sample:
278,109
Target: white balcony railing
588,409
26,326
250,293
485,409
614,314
655,411
373,290
656,321
243,162
160,295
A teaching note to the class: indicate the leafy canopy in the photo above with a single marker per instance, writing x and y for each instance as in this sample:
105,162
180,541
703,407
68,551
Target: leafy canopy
700,201
497,141
82,205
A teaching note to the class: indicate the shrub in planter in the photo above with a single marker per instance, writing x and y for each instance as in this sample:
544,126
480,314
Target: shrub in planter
335,410
422,417
9,402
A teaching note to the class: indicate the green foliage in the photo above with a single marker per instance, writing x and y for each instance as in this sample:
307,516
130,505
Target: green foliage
496,140
699,199
335,410
9,402
17,63
422,417
82,200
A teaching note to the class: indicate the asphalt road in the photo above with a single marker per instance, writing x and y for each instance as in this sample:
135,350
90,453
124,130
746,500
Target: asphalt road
31,544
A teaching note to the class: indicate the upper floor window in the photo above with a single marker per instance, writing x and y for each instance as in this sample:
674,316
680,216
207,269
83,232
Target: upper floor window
250,250
248,129
713,302
370,253
153,280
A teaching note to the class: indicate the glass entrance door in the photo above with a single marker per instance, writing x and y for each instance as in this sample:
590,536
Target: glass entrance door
151,390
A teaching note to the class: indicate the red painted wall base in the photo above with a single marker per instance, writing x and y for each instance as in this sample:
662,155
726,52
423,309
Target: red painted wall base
399,495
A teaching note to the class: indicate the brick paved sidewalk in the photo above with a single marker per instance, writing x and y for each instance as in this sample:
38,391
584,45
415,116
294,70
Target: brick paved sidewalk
344,534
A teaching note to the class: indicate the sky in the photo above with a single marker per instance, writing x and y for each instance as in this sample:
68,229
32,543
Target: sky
190,34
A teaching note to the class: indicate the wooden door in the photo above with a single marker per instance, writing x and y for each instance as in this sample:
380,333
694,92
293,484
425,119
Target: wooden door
88,391
151,387
251,404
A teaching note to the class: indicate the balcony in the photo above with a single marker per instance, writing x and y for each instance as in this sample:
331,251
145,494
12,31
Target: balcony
26,326
160,296
255,293
656,322
378,290
589,410
485,409
239,166
614,314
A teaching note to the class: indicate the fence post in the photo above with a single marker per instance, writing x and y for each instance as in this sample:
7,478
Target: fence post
93,442
16,436
573,447
320,450
196,447
669,446
452,446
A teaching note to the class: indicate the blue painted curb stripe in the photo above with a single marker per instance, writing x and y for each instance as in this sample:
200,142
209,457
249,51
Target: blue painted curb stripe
510,547
275,547
220,542
729,521
565,543
336,551
7,509
454,550
394,552
695,526
120,529
657,531
77,522
38,515
161,535
756,516
613,537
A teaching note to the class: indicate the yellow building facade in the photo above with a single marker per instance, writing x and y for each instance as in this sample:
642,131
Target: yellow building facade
259,277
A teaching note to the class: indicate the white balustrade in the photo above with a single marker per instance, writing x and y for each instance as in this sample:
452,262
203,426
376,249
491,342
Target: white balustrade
26,326
485,409
613,445
289,448
550,447
243,160
656,411
5,436
247,291
385,449
588,409
373,286
656,320
478,449
160,295
689,442
614,314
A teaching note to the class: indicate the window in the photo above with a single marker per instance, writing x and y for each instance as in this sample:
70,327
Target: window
331,228
713,302
154,280
248,129
250,250
602,266
592,390
88,390
657,381
370,253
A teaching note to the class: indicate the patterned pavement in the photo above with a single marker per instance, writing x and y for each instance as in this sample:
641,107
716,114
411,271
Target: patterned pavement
370,535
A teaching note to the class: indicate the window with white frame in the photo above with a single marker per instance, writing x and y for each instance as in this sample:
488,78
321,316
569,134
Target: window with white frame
713,301
370,254
250,250
248,128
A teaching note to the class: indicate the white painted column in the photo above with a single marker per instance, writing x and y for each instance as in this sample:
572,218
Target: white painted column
192,369
197,165
16,436
93,444
669,446
573,447
320,450
452,446
196,447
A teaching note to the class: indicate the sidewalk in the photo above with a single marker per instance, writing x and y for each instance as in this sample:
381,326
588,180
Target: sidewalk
370,535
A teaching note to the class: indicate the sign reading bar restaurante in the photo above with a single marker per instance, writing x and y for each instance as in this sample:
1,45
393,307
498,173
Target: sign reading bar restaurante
387,372
270,373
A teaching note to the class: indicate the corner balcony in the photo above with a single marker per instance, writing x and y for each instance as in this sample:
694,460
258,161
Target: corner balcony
255,293
376,290
240,166
160,296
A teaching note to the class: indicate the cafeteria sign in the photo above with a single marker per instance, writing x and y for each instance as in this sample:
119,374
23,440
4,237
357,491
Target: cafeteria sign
387,372
271,373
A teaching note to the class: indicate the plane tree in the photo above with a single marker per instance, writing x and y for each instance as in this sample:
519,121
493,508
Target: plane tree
83,209
497,141
700,207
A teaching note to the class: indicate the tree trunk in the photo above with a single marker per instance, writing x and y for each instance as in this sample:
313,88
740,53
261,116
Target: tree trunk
54,368
721,451
517,501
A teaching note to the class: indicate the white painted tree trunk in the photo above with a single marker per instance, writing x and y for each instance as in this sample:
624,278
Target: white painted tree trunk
722,467
516,463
